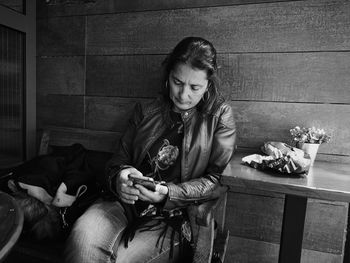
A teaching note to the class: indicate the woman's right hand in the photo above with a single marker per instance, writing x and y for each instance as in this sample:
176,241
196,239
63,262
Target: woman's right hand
127,192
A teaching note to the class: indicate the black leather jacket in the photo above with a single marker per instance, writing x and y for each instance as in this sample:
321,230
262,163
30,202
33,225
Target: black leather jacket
208,145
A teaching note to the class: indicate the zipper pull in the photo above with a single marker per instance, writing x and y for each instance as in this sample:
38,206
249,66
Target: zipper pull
62,213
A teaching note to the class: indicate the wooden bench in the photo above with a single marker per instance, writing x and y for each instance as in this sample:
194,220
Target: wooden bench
99,152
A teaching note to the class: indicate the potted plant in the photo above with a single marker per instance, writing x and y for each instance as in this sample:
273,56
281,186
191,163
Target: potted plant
309,139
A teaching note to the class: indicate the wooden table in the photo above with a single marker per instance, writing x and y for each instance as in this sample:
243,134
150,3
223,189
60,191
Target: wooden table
11,222
326,180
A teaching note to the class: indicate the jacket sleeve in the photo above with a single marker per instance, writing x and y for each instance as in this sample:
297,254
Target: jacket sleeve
208,186
122,158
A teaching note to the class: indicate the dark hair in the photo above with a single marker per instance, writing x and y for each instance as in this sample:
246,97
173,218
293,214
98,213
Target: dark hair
199,54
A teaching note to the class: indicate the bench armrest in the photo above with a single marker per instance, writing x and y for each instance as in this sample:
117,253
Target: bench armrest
212,209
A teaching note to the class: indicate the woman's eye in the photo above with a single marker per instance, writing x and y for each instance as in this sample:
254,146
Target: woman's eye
177,82
195,88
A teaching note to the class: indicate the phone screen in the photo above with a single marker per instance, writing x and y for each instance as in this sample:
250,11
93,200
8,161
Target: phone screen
149,184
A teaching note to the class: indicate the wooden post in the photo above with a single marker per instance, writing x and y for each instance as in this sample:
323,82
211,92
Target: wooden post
292,229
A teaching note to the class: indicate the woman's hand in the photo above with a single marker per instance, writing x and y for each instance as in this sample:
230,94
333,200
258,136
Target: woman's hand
127,192
151,196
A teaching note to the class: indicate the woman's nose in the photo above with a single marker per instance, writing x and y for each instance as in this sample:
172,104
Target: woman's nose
183,92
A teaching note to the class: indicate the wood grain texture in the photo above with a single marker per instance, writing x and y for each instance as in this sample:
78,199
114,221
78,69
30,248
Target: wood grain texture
61,36
61,75
60,110
254,217
259,122
325,180
273,27
260,217
324,226
108,113
127,76
120,6
91,140
294,77
242,250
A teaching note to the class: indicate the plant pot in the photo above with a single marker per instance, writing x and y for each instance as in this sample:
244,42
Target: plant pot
311,149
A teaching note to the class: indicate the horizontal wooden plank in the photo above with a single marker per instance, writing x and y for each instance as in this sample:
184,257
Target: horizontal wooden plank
274,27
294,77
260,218
325,224
258,122
244,250
60,110
254,217
90,139
61,75
310,256
127,76
61,36
108,113
57,8
239,190
333,158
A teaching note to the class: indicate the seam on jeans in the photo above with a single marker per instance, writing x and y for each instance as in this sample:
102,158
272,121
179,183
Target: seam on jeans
162,253
114,241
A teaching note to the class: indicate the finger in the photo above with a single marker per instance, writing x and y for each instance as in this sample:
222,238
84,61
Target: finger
127,201
129,183
147,194
129,190
143,190
144,198
135,172
124,176
129,197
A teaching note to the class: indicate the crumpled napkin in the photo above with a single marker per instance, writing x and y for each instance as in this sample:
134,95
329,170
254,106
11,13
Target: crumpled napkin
280,157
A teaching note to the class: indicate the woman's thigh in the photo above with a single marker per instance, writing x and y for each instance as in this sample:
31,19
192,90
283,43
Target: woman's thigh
144,248
95,233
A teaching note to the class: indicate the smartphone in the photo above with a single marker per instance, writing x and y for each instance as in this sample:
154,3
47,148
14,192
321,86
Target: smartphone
147,182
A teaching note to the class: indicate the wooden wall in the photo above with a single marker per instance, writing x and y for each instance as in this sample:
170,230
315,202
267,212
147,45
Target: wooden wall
283,63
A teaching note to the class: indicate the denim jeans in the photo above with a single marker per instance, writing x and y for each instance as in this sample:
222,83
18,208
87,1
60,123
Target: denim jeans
96,237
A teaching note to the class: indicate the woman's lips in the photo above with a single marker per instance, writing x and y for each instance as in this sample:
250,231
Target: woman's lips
182,102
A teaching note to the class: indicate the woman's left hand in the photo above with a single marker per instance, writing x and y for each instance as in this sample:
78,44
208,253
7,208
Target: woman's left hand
150,196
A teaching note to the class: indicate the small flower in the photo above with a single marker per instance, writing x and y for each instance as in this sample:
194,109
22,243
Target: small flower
309,135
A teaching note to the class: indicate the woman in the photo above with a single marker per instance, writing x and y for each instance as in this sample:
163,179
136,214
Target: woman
183,140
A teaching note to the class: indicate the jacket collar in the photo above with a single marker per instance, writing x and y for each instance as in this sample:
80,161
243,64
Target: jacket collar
187,114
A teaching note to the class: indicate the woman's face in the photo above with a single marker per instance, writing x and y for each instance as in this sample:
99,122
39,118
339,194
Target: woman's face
187,86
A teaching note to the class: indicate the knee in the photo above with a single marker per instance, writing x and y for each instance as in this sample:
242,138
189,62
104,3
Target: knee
94,234
82,240
84,232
